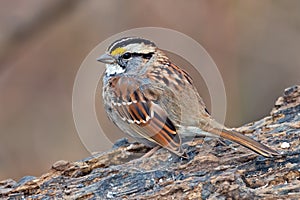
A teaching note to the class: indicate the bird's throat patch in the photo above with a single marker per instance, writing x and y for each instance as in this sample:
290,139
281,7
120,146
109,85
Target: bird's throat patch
114,69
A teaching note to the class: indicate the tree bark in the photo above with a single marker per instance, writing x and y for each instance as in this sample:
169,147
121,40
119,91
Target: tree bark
216,169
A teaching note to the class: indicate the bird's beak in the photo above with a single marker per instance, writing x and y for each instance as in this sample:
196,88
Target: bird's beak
106,58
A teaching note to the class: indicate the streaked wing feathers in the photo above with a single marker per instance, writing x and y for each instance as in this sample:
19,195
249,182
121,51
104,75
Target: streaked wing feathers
145,117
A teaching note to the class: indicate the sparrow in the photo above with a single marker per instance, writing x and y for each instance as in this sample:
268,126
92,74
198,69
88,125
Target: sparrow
154,101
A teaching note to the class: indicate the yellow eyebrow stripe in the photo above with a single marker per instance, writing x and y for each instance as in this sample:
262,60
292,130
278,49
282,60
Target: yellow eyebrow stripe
117,51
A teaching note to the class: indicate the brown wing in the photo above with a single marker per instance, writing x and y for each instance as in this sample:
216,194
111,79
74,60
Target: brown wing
135,104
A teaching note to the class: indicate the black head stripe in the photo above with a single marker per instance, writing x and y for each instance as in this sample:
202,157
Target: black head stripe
128,40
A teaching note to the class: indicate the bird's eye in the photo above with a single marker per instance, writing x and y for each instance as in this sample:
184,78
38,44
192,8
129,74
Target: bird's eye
126,55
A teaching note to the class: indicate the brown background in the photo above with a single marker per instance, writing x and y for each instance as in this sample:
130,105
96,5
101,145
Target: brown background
255,44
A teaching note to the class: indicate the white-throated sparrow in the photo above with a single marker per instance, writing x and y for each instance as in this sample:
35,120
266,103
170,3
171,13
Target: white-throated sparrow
155,102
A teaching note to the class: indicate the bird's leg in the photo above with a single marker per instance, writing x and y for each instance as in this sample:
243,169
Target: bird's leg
151,152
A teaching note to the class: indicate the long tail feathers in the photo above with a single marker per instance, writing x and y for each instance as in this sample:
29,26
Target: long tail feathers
246,142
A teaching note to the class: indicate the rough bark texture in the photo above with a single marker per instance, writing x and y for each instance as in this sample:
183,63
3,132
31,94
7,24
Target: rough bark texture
215,170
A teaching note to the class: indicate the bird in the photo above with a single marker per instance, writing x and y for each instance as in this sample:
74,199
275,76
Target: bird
155,101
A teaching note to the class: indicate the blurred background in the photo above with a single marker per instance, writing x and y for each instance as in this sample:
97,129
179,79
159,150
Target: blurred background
255,44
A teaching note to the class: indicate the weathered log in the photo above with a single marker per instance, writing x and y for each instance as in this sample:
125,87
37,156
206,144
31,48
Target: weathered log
215,170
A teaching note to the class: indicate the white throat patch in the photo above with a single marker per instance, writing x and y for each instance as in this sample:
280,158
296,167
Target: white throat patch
113,69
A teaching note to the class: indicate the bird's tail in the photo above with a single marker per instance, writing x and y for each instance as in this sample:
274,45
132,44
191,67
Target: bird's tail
245,141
